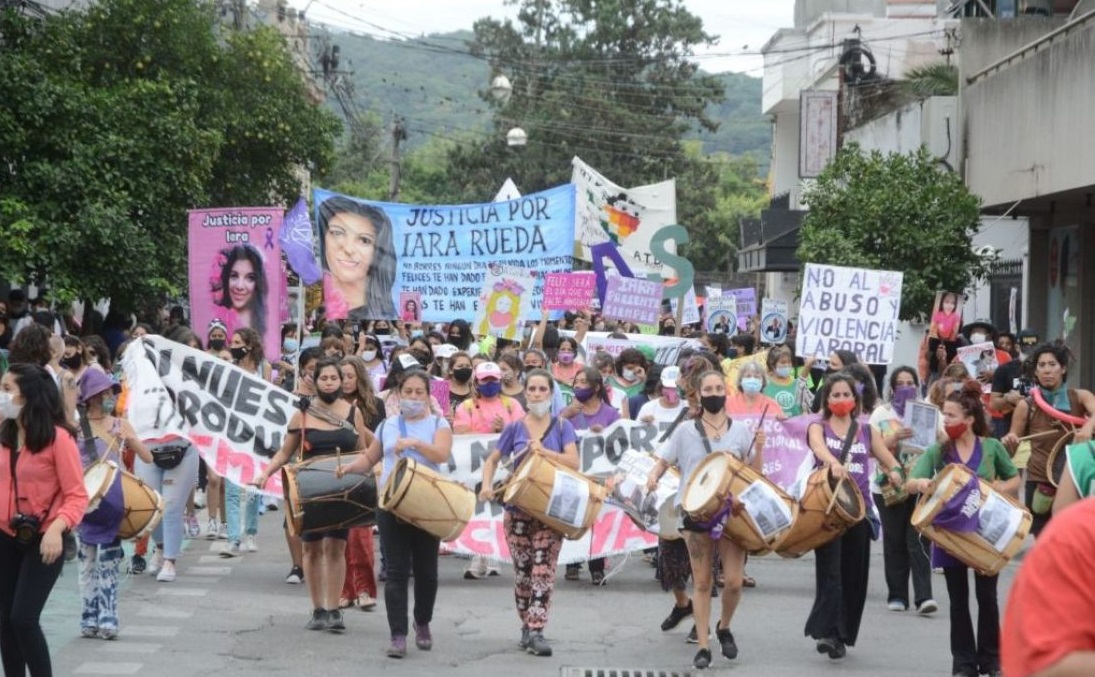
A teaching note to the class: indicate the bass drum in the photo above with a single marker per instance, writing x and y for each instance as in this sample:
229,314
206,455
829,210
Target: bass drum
423,497
553,494
817,522
144,507
316,499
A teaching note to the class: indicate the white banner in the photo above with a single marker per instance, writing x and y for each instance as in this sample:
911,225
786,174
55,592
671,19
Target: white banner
666,348
852,309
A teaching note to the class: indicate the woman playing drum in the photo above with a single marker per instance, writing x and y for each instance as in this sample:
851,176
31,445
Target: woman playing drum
969,444
1038,423
712,431
841,565
324,551
533,545
424,436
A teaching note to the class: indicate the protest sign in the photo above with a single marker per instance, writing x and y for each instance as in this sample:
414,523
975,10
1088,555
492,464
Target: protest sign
666,348
691,307
773,321
722,314
849,309
632,300
629,491
979,358
235,271
746,299
569,291
504,301
410,306
371,251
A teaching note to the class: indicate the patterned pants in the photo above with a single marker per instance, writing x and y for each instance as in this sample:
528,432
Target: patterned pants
360,560
99,568
535,552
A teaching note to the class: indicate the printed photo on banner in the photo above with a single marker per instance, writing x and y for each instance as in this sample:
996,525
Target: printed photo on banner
569,291
773,321
505,301
853,309
946,316
442,252
235,271
923,420
410,306
980,359
722,314
746,299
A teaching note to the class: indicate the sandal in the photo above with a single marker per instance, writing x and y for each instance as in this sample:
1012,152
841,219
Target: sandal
748,582
344,603
366,602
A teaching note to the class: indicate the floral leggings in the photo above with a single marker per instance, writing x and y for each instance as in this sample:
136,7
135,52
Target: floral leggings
99,567
535,551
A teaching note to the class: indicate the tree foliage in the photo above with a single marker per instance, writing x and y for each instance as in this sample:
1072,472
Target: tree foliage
894,212
117,119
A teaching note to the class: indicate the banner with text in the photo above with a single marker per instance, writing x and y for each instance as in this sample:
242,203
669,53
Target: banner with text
722,314
852,309
632,299
746,300
569,291
371,251
773,321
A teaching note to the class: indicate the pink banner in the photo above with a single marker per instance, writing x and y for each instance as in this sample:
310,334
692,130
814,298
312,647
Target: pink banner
632,299
569,291
235,272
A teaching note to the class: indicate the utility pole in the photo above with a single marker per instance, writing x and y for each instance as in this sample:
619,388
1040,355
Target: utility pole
399,133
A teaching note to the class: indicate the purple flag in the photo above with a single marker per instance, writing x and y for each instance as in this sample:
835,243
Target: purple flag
961,512
296,242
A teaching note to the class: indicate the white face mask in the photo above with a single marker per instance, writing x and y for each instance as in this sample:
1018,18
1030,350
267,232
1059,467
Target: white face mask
977,338
540,408
8,408
368,355
629,375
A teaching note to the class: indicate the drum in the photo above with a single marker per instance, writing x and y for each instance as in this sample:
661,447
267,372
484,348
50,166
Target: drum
766,512
563,499
1058,459
820,517
669,518
1002,524
316,499
98,478
423,497
143,507
892,495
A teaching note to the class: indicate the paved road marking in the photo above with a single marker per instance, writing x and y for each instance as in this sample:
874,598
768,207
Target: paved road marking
208,571
182,592
128,647
108,669
164,612
152,631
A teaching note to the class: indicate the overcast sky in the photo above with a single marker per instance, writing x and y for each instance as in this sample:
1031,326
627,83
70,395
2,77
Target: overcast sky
742,25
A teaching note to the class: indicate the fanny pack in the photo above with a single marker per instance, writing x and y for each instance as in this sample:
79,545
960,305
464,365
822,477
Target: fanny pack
169,455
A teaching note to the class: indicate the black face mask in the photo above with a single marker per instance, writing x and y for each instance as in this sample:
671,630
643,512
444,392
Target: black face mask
238,353
382,331
423,358
713,404
461,374
328,398
71,362
216,344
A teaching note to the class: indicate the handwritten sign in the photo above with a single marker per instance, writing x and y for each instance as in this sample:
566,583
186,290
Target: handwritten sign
505,299
691,307
852,309
632,299
569,291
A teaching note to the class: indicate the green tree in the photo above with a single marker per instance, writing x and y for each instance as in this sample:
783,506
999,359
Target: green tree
895,212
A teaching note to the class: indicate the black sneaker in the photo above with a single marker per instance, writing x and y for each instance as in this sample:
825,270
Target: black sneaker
678,614
693,638
702,659
318,621
537,645
832,646
137,565
335,623
523,644
726,639
295,577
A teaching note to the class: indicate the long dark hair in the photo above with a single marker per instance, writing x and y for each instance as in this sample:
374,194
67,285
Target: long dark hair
1058,350
364,397
257,306
463,330
253,340
42,411
378,299
969,399
827,387
595,381
868,393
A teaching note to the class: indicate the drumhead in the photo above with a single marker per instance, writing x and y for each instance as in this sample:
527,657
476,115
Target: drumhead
704,485
942,489
95,477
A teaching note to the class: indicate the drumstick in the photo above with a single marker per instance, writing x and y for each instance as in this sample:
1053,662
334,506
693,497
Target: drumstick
338,458
836,492
1041,434
760,427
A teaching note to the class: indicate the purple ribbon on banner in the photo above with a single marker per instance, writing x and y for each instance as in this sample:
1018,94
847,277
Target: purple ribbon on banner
717,524
961,512
269,238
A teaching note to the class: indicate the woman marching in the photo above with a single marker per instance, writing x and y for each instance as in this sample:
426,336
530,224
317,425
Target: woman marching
841,566
533,545
713,431
970,445
334,428
416,433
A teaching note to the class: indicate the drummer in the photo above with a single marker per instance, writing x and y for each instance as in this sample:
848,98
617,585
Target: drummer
969,444
324,551
420,434
1050,362
533,545
689,444
840,441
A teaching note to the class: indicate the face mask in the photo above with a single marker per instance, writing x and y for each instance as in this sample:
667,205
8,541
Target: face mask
454,340
732,353
417,333
508,377
382,331
368,355
671,396
461,374
751,385
540,408
783,372
238,353
412,408
977,338
955,431
713,404
583,394
901,395
8,408
629,375
108,404
328,398
216,344
566,357
290,345
842,408
490,389
422,358
71,362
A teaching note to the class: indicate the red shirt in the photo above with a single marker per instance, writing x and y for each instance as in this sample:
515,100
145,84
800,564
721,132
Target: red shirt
1051,606
51,484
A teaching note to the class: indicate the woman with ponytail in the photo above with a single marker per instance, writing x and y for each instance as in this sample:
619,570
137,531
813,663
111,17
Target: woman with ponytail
969,444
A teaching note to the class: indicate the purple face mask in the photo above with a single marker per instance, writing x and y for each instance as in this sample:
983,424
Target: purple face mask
902,395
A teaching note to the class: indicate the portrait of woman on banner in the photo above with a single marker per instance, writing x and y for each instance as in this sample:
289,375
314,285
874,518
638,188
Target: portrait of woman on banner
239,288
357,253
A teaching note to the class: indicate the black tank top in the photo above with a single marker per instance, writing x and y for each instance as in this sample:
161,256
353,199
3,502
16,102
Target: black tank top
325,442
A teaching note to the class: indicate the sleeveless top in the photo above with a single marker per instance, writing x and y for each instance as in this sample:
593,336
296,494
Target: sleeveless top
319,442
857,465
101,445
1040,447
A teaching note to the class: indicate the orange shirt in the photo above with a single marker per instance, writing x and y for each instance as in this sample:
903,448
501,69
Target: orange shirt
51,484
477,415
737,404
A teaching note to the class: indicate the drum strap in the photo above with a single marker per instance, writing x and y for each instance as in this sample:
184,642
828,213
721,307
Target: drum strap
853,429
676,422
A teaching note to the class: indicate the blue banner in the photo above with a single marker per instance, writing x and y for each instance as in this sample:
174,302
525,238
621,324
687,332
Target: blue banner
372,251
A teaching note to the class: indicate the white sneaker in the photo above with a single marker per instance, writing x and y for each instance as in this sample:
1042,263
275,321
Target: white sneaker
211,530
222,531
249,544
167,573
233,550
926,607
155,563
199,499
895,605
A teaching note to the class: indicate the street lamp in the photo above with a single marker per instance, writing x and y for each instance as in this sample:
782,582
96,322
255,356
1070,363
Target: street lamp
516,137
501,89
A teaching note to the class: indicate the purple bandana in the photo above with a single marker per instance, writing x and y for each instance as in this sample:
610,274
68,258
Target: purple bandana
717,524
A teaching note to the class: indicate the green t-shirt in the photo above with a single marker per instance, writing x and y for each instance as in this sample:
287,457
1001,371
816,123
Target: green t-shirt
1081,463
995,462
